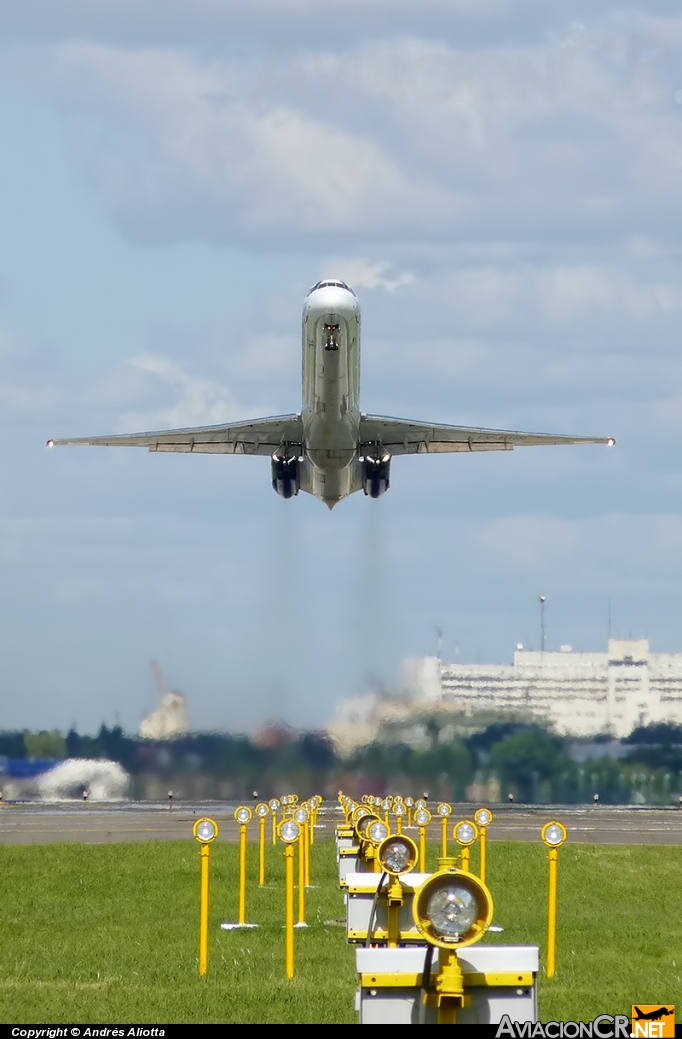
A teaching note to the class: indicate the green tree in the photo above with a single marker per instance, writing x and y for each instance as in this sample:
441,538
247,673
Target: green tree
45,744
523,761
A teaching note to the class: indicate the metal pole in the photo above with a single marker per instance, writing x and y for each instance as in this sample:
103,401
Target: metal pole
422,849
465,859
551,912
444,837
242,874
481,871
261,864
306,848
274,826
289,909
301,880
205,853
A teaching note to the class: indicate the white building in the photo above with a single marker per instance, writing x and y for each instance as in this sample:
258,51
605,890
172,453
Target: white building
577,694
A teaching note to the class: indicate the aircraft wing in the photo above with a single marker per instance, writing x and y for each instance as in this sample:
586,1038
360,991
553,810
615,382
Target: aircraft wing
403,437
256,437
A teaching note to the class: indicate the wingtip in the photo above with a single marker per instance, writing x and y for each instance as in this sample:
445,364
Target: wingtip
611,442
50,443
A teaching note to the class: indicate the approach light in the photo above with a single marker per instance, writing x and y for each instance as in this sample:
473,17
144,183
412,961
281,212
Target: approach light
262,810
409,801
360,813
397,854
420,803
289,831
377,831
243,815
452,909
399,808
554,834
301,815
364,824
444,809
205,830
422,817
466,833
483,817
274,804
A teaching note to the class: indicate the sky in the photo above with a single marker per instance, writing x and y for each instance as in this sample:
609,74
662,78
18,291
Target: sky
499,182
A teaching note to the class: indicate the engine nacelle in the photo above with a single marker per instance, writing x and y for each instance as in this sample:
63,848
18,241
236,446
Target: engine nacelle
286,476
375,475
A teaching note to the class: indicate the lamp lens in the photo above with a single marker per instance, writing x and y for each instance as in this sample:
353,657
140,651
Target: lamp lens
421,817
289,831
444,809
397,857
554,834
377,832
483,816
242,815
465,833
274,804
452,910
205,830
301,815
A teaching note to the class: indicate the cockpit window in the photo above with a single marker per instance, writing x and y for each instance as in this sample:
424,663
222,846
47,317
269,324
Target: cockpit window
328,283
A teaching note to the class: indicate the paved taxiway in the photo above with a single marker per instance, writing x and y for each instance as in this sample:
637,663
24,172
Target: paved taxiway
97,824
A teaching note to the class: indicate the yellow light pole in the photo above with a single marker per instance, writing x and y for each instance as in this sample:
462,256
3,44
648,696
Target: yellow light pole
422,818
399,810
243,815
289,833
274,805
262,811
205,831
386,805
483,818
444,811
466,834
397,854
409,804
305,835
301,818
553,835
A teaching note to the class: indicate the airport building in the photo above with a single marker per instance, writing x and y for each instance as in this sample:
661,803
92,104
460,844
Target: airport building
575,694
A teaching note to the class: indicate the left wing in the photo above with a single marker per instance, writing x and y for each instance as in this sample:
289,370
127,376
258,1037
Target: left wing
256,437
402,437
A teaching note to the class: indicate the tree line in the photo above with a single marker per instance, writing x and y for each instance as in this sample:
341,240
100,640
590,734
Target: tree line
527,761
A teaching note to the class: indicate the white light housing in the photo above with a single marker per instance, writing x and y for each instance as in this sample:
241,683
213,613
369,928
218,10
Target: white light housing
289,831
205,830
483,817
466,832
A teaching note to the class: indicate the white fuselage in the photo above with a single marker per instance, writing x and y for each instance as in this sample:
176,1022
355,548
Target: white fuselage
331,392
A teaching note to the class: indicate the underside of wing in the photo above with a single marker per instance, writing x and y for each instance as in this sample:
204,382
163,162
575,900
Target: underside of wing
256,437
403,437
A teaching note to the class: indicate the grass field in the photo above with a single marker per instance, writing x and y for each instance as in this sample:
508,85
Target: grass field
108,933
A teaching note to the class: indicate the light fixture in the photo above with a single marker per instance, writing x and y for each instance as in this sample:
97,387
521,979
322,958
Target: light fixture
205,830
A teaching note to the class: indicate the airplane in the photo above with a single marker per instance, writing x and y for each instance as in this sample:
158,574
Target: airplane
653,1015
331,449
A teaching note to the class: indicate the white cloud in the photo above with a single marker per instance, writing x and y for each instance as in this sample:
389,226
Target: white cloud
365,274
198,401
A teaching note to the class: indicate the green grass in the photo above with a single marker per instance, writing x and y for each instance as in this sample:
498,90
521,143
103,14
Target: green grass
108,933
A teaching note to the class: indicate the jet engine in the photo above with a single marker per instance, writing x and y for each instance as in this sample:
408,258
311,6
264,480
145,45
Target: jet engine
286,477
375,475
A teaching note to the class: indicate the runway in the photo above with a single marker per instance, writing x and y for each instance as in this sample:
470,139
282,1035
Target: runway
99,823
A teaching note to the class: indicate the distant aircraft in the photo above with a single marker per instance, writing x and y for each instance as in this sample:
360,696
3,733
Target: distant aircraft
653,1015
331,449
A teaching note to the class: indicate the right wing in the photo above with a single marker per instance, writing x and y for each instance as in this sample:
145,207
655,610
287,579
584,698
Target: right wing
403,437
260,436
